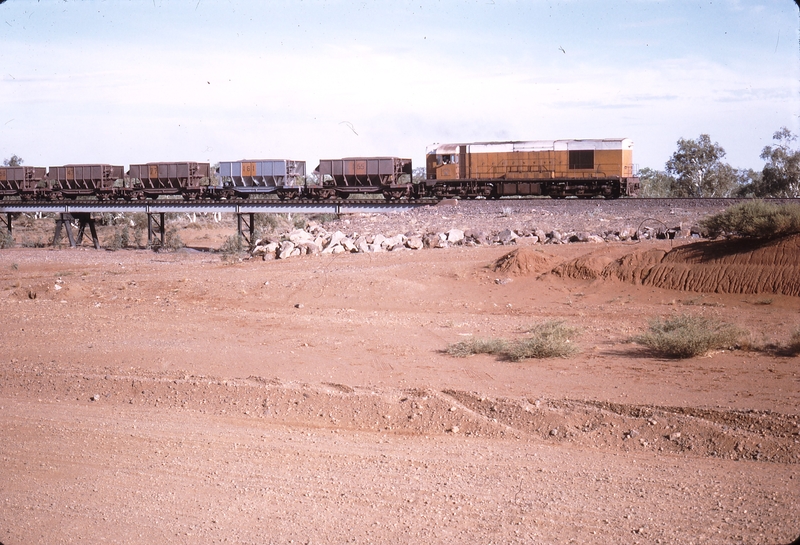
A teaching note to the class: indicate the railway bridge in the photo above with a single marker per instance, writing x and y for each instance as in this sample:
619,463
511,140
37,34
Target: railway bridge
82,212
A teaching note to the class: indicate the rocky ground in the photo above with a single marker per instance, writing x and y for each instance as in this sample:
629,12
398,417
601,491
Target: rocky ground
191,396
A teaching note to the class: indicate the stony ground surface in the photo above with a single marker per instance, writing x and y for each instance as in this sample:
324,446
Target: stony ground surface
191,397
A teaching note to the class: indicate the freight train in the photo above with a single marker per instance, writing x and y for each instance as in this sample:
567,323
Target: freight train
548,168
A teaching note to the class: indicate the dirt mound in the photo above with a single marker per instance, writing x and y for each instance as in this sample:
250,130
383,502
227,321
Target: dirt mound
732,266
634,267
521,262
729,266
585,267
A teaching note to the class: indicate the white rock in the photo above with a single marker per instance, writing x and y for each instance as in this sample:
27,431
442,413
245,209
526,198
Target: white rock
454,236
396,241
415,242
348,245
286,249
336,238
299,236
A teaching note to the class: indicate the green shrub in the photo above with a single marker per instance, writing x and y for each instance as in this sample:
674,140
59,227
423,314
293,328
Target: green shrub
550,339
547,340
470,347
686,336
756,219
233,245
299,221
117,240
6,240
173,239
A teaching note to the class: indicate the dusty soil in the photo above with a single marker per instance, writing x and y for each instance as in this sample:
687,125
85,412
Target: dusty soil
184,398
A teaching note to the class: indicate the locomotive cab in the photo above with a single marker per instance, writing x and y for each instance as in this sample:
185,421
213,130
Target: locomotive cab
443,163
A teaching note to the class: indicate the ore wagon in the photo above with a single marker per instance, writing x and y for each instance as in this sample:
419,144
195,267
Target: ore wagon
390,176
72,181
262,176
27,182
183,178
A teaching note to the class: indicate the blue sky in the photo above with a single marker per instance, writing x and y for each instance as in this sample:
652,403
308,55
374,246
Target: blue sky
217,80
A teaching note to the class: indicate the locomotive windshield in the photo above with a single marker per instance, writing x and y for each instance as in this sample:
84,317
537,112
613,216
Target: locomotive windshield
446,159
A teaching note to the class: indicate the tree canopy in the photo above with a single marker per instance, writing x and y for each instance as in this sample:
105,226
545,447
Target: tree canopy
13,161
698,170
655,183
781,174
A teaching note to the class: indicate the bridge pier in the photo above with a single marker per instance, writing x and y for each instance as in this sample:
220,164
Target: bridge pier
250,225
7,221
65,220
159,223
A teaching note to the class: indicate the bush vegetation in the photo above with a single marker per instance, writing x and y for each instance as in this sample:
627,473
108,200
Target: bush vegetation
547,340
686,336
477,345
793,348
233,245
172,241
550,339
6,240
120,239
755,219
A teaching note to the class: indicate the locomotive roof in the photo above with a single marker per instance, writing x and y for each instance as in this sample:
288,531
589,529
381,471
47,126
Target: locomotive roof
532,145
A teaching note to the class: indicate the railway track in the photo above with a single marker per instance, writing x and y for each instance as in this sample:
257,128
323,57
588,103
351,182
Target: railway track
307,206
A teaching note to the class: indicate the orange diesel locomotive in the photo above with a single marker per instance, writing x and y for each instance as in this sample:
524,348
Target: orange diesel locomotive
554,168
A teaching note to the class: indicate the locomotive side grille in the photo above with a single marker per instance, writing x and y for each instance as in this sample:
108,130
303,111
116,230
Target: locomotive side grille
581,159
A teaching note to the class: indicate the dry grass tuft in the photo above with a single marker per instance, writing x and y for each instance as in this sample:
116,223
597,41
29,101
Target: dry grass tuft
686,336
793,348
547,340
552,339
477,345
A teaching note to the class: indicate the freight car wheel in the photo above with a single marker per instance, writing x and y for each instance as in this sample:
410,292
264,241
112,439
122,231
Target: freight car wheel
395,194
324,194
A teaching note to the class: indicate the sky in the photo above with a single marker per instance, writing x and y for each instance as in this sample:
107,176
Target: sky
135,81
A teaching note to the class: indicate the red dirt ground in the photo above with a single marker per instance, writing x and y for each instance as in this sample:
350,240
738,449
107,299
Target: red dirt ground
177,398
